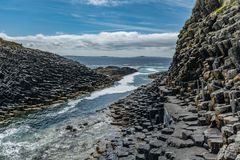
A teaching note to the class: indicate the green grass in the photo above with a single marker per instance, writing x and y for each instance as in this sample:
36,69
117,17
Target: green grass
10,44
226,5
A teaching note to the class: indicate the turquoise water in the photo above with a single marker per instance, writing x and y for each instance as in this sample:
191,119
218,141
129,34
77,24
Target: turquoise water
43,135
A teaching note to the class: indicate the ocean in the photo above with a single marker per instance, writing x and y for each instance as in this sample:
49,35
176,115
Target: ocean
43,135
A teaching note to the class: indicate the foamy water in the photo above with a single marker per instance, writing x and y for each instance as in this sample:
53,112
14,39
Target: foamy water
124,85
43,135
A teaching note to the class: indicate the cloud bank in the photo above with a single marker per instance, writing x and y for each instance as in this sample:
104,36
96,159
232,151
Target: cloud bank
102,44
178,3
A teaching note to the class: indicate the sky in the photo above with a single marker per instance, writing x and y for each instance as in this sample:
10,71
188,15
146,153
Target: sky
96,27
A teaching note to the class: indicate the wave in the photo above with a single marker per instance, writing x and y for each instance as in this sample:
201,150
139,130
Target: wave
12,149
12,131
152,70
71,105
124,85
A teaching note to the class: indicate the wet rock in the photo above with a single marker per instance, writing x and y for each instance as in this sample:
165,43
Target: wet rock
230,153
231,139
186,134
227,131
209,156
167,131
127,142
112,156
144,149
204,105
140,157
140,135
178,143
215,144
237,143
238,157
222,109
221,153
155,153
163,137
70,128
236,127
193,123
155,143
170,155
162,158
198,139
117,73
196,158
218,96
190,118
122,152
130,157
101,148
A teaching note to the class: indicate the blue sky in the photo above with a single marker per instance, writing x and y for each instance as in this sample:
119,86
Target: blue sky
95,27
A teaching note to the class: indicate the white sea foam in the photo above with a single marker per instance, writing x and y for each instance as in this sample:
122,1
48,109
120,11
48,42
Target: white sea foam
13,148
71,105
124,85
152,69
11,131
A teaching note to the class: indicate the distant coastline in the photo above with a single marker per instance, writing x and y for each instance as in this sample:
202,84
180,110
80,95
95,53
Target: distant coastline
122,61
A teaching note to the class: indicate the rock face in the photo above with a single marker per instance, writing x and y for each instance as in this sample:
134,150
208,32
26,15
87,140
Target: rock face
116,73
207,64
31,78
209,42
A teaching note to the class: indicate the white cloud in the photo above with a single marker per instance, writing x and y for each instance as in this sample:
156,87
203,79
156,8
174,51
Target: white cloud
102,44
98,2
179,3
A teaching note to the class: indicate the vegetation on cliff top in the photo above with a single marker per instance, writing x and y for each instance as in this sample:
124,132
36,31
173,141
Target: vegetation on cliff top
10,44
226,4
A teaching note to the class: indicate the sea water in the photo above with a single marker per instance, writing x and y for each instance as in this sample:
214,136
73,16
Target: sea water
43,135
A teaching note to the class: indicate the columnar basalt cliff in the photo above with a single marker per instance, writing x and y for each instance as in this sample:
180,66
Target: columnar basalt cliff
30,79
208,57
209,42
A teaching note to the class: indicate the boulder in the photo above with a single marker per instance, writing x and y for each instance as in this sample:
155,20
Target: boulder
155,153
122,152
190,118
236,127
219,109
179,143
218,97
215,144
204,105
101,148
140,157
232,73
198,139
238,157
237,143
221,153
230,153
155,143
167,131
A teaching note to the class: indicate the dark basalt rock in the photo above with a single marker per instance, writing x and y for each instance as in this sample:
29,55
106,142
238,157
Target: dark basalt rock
116,73
208,41
33,77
